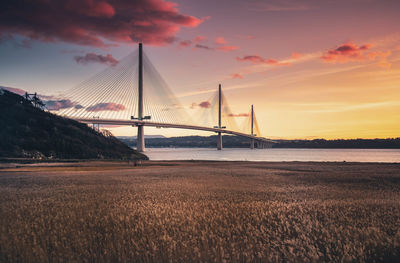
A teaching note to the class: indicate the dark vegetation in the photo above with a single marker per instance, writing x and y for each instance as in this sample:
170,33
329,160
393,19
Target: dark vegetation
190,141
230,141
29,132
390,143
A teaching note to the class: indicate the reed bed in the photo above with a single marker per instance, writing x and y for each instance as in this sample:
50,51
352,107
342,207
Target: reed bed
201,212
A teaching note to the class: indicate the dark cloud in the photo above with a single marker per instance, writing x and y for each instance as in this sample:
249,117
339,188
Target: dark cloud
205,104
203,47
96,58
90,22
106,106
253,58
220,44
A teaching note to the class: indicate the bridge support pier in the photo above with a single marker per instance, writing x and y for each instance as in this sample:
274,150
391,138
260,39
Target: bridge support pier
140,144
219,142
252,142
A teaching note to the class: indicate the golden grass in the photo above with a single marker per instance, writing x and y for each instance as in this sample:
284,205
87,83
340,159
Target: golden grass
201,212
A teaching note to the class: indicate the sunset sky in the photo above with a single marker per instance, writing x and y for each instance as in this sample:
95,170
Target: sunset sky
312,68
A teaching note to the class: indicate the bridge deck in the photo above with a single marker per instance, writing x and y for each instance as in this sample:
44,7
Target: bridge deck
169,125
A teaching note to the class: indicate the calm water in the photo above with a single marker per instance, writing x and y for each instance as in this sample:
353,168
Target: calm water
324,155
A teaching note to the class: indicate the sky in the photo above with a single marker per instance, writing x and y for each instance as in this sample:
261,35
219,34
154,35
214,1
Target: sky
311,68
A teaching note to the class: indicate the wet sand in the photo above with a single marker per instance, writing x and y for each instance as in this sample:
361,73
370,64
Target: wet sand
199,211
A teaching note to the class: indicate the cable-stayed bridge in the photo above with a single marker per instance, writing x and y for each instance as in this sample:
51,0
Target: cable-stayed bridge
133,93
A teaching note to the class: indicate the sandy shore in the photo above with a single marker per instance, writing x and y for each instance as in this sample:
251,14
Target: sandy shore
199,211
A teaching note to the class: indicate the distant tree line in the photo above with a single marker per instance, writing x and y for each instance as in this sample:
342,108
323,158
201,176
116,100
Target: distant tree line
230,141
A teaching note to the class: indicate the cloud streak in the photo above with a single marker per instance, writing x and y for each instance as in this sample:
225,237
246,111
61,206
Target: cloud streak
106,106
200,46
237,76
238,115
256,59
96,58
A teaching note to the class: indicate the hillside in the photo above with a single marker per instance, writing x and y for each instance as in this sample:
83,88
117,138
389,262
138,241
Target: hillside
29,132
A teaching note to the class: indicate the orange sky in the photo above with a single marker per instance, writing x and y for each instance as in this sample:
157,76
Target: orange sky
312,69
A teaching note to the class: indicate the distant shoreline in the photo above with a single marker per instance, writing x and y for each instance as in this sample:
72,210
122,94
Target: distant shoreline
239,142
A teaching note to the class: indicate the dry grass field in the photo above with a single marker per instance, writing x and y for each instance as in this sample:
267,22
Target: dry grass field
200,212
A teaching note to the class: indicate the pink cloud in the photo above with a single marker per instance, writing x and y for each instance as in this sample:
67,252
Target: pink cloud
296,55
227,48
14,90
220,41
106,106
198,39
275,62
92,22
237,76
55,105
378,54
346,52
185,43
256,59
96,58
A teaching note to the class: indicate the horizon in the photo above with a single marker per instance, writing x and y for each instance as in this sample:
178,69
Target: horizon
311,69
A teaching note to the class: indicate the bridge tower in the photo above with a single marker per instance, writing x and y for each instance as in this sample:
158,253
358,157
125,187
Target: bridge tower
252,125
140,144
219,142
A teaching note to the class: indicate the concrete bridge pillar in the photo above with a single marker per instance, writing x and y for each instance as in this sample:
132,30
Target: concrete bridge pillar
140,145
252,144
219,142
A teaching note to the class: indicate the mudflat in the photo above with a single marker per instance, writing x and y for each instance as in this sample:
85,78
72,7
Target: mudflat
200,211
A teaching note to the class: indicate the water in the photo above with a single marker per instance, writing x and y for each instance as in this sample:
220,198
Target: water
276,155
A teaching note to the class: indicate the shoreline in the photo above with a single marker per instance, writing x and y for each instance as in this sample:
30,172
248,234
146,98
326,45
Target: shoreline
149,163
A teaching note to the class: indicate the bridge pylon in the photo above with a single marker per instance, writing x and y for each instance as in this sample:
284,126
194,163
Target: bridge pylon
252,128
219,143
140,143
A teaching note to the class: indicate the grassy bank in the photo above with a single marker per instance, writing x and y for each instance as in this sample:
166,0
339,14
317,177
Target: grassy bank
200,211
